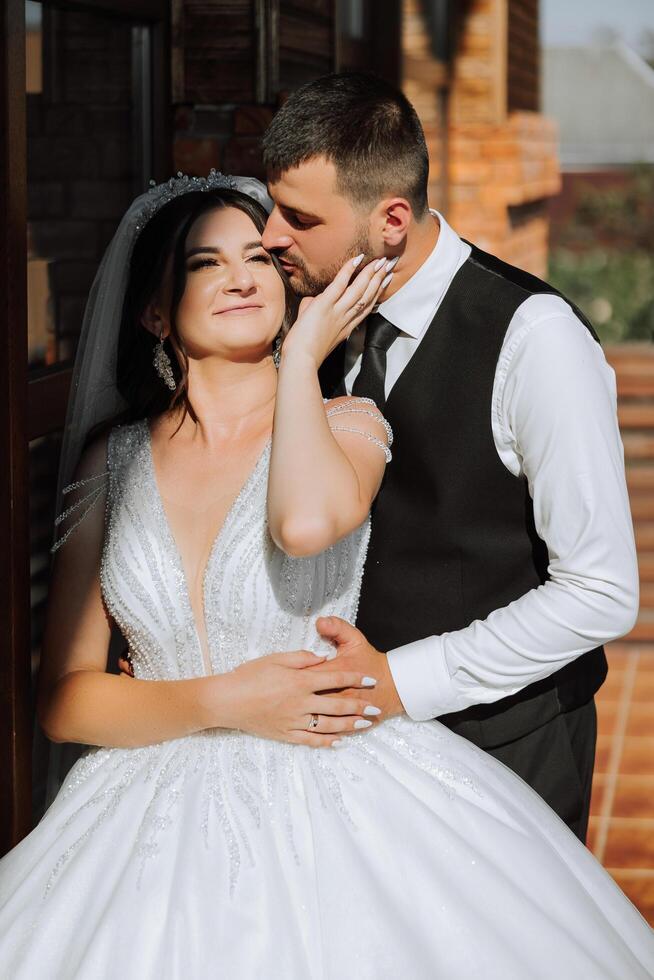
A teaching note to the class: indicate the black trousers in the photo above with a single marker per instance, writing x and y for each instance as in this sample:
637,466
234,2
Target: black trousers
557,761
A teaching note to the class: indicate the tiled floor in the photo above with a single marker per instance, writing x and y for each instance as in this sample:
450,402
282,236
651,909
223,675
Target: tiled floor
622,809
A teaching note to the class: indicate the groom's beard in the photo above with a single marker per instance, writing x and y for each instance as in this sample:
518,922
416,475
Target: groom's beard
306,283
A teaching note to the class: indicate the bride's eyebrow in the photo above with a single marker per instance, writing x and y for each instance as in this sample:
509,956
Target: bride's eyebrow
216,250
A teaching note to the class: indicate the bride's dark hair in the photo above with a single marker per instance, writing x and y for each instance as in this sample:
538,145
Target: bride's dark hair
164,236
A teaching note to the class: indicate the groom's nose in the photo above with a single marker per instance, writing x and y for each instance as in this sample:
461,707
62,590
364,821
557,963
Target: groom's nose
276,233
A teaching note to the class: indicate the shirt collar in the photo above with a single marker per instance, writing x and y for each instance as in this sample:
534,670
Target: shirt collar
411,309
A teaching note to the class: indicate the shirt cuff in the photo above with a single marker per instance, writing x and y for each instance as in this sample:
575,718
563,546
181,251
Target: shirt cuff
422,679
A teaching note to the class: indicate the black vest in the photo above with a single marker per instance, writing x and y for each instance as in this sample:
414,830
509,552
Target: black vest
453,534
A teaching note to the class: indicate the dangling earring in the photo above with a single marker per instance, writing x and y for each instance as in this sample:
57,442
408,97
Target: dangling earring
277,350
162,364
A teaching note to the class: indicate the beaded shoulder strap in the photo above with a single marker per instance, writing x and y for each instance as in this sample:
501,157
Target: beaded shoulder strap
98,484
356,406
90,499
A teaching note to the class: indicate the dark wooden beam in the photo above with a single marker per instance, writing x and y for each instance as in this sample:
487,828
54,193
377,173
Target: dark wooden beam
266,62
15,679
386,54
162,139
150,10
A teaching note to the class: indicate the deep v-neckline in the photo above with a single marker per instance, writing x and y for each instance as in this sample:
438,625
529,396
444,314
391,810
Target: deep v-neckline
168,528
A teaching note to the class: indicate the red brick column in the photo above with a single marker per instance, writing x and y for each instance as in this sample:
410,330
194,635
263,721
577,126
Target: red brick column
501,164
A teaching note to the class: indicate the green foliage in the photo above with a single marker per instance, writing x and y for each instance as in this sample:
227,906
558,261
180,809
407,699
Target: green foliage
624,214
614,288
605,259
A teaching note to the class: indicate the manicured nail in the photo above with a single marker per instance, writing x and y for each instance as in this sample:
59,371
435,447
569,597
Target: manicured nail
379,263
357,261
362,723
337,742
386,281
331,656
392,263
368,682
370,709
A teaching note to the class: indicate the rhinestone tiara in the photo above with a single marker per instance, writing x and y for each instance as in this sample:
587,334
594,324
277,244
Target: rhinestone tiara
160,194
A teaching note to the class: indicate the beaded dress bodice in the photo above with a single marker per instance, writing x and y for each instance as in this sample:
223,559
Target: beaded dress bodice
257,599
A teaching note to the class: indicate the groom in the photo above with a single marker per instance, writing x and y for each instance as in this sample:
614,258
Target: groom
502,552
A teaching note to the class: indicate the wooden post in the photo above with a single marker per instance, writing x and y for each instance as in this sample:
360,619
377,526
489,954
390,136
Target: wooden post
15,679
266,66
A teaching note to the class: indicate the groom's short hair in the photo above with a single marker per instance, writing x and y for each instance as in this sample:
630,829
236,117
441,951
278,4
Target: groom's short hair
365,126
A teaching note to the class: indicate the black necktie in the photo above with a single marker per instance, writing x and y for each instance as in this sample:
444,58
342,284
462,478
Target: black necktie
369,382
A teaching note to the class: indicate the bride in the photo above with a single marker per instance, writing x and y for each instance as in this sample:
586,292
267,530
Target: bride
237,814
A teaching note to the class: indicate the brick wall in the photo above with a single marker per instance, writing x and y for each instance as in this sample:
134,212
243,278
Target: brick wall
500,154
501,176
503,165
425,83
229,76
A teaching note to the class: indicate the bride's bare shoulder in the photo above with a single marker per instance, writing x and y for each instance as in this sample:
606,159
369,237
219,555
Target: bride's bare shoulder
94,455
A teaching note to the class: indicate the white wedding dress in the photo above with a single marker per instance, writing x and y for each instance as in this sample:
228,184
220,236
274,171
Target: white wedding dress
406,854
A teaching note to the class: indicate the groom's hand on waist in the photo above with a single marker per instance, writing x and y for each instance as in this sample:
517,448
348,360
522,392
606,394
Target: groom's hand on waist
355,653
125,665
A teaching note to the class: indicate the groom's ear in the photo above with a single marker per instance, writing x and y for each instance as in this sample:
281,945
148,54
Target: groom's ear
151,319
394,216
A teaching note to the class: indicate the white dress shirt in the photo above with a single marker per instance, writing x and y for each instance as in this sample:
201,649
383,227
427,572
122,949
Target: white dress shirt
554,422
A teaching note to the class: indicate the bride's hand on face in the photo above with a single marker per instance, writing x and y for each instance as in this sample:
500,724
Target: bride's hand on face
275,696
325,320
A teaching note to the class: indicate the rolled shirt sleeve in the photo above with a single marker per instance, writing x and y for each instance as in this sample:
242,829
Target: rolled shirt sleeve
555,424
